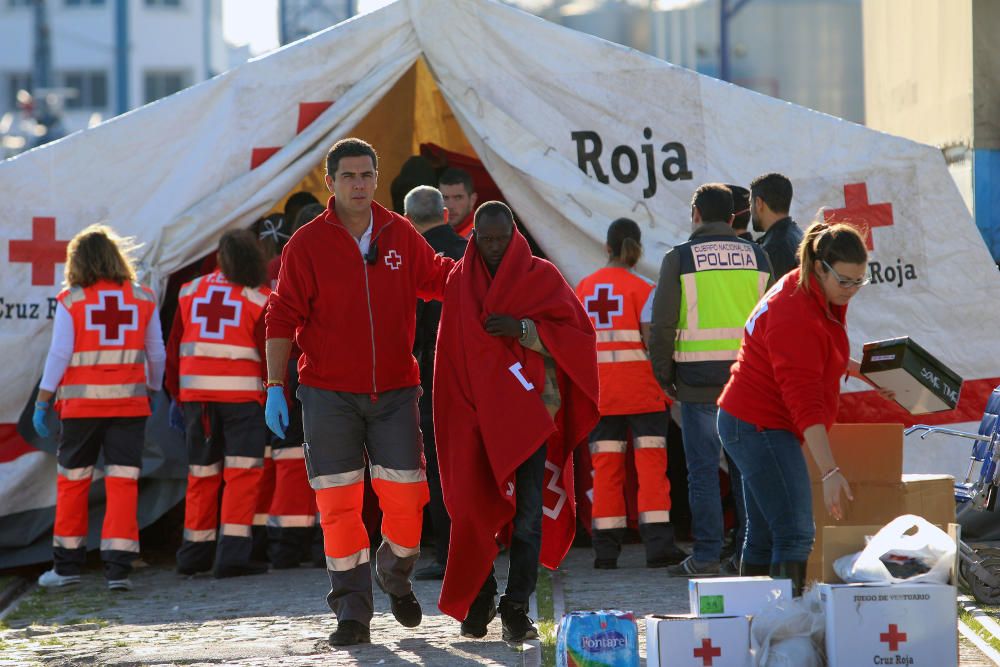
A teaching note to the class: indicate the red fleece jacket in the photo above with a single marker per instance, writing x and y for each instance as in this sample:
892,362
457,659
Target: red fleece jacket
487,422
354,321
793,355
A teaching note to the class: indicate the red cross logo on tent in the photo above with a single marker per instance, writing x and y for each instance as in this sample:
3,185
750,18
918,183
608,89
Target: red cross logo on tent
893,637
858,213
308,112
111,318
707,652
393,260
43,251
603,305
215,311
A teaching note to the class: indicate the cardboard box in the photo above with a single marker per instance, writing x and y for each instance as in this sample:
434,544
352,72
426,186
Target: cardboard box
841,541
686,641
890,625
735,596
922,383
871,458
930,496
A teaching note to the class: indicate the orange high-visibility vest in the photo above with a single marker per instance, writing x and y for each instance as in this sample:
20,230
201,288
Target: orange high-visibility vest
614,299
219,359
106,376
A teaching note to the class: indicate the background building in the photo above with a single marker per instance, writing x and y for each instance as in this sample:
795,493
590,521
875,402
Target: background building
932,73
301,18
106,57
804,51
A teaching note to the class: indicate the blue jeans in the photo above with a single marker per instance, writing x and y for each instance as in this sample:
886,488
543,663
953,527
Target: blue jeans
776,490
702,448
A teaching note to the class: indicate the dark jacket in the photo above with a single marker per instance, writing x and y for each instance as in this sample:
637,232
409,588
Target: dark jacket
781,243
444,241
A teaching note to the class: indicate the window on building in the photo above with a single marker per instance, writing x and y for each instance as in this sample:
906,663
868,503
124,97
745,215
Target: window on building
163,3
157,84
16,81
83,3
91,89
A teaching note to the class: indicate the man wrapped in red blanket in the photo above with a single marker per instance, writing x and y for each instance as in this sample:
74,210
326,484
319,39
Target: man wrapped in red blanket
515,391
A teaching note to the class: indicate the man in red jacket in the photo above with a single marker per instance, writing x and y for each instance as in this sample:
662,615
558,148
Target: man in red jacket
346,293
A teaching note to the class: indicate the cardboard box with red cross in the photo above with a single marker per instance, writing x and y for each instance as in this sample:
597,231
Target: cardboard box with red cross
689,641
901,624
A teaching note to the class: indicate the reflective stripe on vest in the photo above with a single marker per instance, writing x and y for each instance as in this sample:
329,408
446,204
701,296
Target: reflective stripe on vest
730,272
219,351
106,374
106,357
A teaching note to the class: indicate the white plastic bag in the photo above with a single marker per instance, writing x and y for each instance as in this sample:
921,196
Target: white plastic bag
905,537
789,633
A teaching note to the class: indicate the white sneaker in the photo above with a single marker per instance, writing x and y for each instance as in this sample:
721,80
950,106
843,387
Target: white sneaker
120,584
52,579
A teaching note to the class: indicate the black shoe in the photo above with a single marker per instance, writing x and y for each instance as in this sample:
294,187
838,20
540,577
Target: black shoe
605,563
349,633
432,572
794,570
482,611
190,570
241,570
671,556
517,627
406,609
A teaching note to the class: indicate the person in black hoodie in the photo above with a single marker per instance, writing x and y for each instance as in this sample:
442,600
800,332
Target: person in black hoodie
770,200
424,207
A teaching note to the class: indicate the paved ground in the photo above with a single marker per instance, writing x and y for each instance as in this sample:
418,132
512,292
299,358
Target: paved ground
281,619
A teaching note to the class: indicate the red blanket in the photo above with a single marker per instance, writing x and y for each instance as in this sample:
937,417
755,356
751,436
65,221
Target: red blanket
488,420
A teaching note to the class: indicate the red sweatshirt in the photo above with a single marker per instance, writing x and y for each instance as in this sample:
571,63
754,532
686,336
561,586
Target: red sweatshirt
354,321
793,355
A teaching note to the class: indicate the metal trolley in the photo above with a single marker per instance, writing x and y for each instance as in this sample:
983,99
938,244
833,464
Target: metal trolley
976,503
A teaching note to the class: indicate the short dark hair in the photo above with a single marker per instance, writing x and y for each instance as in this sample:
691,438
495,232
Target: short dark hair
241,259
714,201
741,206
492,209
456,176
293,206
306,214
775,189
349,147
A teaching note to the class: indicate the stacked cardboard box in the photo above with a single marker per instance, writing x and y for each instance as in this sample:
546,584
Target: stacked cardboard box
717,631
871,458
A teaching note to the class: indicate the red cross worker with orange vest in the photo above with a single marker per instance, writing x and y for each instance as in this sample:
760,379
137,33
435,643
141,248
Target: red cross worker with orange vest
106,357
347,294
620,304
214,368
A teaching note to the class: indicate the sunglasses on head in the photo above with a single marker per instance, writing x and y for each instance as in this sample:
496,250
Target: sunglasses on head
846,283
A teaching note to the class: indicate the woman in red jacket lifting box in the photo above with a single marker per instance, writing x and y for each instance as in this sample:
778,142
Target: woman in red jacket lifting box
784,391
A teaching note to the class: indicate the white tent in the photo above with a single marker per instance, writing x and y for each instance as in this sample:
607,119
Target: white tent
574,130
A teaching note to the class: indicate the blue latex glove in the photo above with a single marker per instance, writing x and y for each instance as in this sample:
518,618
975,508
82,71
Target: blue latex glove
38,419
276,411
175,417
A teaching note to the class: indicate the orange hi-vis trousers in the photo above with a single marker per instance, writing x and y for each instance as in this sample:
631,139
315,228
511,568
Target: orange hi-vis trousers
226,444
83,439
340,428
607,453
